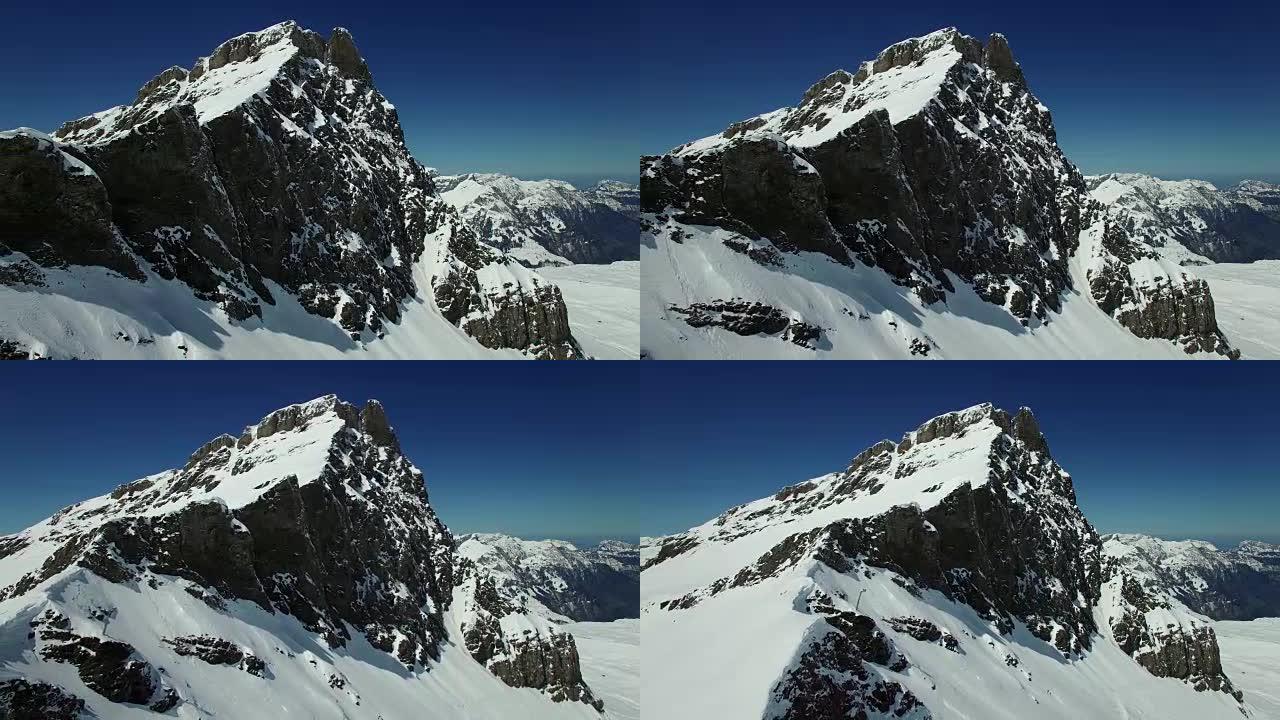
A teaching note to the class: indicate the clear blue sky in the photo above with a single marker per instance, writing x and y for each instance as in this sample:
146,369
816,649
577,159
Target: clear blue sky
593,449
1173,449
536,450
532,89
1175,89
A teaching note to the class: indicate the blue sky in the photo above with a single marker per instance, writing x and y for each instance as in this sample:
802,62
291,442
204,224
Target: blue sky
536,450
578,90
532,89
1174,89
595,449
1172,449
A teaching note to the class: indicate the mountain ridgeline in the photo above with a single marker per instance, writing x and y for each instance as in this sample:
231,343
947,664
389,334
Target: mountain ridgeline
947,574
548,222
272,169
558,579
932,166
302,554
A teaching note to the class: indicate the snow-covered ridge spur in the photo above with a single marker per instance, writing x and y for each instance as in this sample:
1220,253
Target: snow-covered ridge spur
918,207
261,203
949,574
548,222
297,564
559,580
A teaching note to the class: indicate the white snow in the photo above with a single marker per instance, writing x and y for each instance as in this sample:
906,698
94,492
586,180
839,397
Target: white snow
1251,658
865,315
1246,298
610,656
604,306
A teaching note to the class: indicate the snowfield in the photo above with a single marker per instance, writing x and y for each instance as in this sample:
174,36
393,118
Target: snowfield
1251,656
1247,299
610,653
604,306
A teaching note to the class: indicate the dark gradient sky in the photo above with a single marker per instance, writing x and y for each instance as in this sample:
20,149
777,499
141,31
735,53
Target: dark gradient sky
532,89
593,449
1174,89
1172,449
528,449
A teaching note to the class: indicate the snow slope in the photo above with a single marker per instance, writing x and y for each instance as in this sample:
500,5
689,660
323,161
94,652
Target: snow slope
791,599
1247,298
862,312
610,654
604,306
1251,655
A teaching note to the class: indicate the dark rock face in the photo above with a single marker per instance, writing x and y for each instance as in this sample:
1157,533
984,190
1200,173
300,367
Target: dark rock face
110,668
24,700
56,210
306,183
547,661
216,651
306,549
833,680
751,318
972,186
1185,651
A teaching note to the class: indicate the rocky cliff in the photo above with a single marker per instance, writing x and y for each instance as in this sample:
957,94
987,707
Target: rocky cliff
301,555
271,167
933,163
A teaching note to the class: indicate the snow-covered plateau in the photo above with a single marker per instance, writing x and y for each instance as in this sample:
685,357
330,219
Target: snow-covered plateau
947,575
263,204
295,570
920,207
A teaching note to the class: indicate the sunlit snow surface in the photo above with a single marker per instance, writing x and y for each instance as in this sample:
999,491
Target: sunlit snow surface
1251,658
1246,298
865,315
604,306
610,655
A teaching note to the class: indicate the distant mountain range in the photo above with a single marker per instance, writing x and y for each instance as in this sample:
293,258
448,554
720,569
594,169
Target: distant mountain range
548,222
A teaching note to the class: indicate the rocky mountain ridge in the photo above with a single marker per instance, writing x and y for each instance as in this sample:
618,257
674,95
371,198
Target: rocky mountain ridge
1237,584
932,174
273,167
304,555
1193,222
559,580
957,552
548,222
